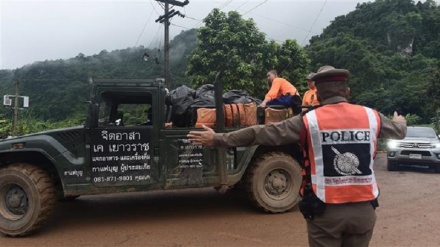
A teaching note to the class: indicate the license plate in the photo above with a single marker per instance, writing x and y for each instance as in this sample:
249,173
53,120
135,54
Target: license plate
415,156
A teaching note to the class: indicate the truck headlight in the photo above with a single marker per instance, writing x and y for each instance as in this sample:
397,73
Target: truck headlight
392,144
437,145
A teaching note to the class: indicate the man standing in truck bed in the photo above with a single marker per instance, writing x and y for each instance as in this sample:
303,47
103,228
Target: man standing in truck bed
339,140
280,91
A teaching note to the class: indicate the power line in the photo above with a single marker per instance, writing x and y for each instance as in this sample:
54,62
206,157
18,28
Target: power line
310,30
225,4
255,7
245,2
284,23
155,37
151,1
143,29
189,17
314,22
179,26
161,5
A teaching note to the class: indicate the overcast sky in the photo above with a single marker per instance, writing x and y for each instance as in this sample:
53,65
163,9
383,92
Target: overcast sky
37,30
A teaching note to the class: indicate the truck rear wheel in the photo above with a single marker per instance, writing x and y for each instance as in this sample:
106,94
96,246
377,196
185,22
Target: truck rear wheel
27,199
273,182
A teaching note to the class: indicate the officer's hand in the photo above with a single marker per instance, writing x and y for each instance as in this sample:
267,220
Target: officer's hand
205,137
399,118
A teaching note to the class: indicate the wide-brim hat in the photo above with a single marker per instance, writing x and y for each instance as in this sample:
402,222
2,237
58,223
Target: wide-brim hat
309,76
329,73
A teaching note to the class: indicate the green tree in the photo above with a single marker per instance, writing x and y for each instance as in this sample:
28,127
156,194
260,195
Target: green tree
391,48
235,45
228,43
293,64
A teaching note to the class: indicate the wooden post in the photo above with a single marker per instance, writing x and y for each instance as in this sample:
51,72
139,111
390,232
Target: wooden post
15,120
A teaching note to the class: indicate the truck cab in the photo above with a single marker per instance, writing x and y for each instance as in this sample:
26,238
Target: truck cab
128,144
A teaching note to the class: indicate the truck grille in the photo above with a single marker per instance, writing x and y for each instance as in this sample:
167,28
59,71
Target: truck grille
415,145
423,153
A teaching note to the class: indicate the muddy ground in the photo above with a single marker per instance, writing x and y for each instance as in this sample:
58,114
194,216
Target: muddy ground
409,215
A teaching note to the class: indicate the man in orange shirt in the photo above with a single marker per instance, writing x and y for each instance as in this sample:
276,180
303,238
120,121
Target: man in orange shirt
280,92
310,97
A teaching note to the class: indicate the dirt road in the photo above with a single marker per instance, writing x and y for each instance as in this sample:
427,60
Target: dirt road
408,215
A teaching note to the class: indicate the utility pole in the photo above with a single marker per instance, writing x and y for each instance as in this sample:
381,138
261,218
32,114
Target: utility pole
167,45
15,120
165,19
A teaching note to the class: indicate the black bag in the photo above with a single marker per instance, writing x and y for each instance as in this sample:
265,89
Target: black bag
181,100
236,96
205,96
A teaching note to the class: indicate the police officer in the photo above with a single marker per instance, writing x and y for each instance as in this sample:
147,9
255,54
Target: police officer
340,143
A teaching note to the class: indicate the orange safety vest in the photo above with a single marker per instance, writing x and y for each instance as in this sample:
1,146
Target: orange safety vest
341,146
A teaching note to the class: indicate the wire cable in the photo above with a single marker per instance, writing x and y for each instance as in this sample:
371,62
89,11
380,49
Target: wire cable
155,37
189,17
225,4
151,1
310,30
241,5
284,23
143,29
179,26
314,22
254,7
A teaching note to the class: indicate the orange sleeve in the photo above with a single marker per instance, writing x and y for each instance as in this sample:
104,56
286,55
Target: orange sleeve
305,98
274,89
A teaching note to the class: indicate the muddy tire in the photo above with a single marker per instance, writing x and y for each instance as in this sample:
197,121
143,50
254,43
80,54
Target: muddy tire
27,199
273,181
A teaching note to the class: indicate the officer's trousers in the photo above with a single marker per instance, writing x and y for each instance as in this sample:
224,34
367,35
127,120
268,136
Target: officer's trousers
343,225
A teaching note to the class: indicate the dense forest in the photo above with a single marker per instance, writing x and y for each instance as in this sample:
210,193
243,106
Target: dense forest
391,47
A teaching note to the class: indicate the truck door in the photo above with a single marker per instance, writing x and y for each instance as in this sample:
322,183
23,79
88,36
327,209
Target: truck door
122,144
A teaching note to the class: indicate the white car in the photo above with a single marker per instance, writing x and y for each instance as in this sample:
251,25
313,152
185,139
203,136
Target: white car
420,147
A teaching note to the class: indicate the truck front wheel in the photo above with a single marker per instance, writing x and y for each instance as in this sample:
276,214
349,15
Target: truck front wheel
27,199
273,181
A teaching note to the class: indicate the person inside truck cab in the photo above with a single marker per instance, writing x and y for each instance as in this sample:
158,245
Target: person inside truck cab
280,92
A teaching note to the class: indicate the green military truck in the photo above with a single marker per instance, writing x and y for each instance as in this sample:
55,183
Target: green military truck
116,151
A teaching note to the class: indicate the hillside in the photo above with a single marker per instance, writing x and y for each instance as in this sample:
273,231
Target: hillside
392,49
59,89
